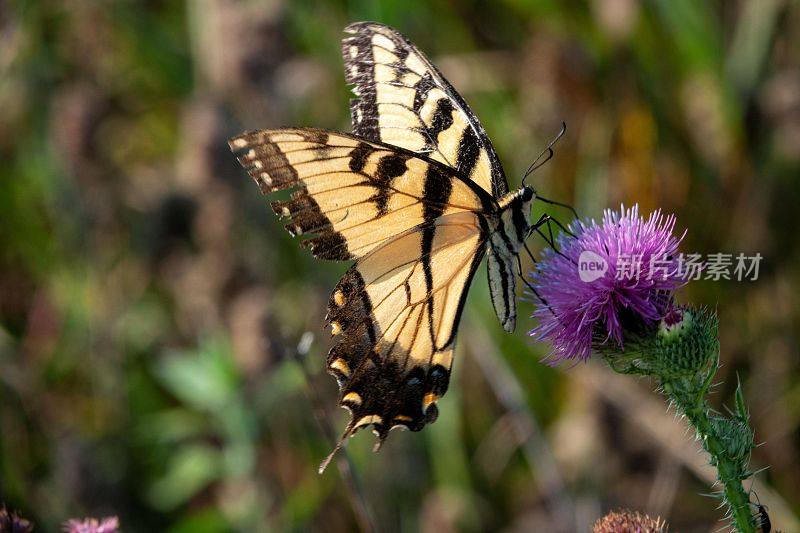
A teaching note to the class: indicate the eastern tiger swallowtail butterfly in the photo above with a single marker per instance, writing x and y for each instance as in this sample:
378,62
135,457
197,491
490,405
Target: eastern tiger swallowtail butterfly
415,197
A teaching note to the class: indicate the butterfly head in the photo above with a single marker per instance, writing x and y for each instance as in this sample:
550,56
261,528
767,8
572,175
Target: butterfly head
527,194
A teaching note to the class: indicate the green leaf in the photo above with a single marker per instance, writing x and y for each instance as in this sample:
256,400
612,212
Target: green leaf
741,409
172,425
190,470
205,379
205,521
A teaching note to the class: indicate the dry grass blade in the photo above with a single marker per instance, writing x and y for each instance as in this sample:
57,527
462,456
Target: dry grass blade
529,436
355,494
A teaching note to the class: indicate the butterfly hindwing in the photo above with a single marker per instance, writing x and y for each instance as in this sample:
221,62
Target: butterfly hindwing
403,100
395,314
350,194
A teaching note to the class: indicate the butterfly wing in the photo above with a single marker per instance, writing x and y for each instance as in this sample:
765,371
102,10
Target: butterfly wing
417,231
351,193
395,314
403,100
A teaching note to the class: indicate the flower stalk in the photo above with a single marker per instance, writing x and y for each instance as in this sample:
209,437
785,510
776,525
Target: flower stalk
682,354
714,433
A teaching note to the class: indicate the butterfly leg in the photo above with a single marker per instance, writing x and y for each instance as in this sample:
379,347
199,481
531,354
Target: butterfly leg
525,281
559,204
548,220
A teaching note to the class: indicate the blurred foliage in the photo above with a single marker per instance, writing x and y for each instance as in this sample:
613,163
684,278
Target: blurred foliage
150,305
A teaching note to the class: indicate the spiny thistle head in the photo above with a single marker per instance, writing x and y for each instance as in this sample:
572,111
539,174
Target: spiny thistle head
13,523
605,279
624,521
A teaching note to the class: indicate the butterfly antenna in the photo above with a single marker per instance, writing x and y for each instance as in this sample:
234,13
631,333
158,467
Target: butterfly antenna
537,163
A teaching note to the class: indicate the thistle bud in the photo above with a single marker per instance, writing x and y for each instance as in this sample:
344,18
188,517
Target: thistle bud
685,342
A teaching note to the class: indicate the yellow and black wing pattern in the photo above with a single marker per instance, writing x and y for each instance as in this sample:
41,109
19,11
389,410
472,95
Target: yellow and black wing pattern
416,231
351,194
403,100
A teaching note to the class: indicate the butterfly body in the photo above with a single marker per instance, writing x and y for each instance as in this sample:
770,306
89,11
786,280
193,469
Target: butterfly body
415,197
508,230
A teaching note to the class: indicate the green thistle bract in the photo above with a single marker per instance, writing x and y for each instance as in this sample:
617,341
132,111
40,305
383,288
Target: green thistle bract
686,346
680,346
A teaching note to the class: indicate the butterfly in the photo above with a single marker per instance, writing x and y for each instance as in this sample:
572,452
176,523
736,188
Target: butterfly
414,197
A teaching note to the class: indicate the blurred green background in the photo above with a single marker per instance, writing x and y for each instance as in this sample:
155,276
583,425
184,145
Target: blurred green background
151,307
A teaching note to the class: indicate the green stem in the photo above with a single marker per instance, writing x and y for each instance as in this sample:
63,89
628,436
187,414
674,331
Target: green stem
731,467
684,357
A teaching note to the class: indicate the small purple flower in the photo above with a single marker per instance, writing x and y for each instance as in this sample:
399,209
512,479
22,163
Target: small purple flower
92,525
11,522
605,278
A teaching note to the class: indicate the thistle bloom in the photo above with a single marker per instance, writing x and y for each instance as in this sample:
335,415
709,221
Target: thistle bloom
628,522
93,525
604,279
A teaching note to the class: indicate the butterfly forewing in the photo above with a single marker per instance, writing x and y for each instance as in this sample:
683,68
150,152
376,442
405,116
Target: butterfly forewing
351,194
404,100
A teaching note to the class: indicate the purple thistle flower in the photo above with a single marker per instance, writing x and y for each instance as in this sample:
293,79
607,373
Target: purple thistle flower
625,521
604,279
11,522
92,525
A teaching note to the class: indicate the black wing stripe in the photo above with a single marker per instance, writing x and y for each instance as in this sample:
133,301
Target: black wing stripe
443,120
468,152
386,69
334,315
438,191
460,308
